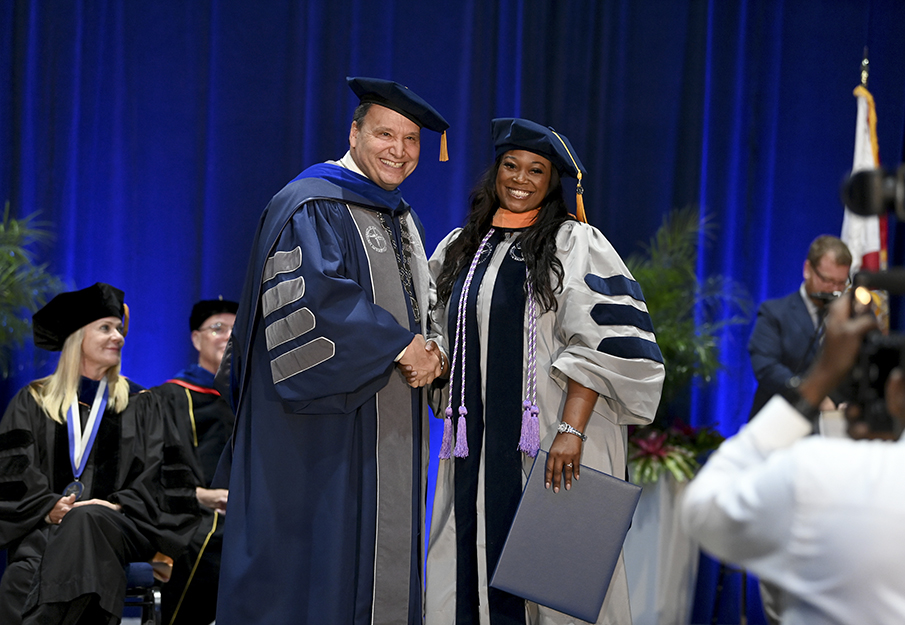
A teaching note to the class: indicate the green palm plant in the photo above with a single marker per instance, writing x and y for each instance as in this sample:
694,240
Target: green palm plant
689,317
24,285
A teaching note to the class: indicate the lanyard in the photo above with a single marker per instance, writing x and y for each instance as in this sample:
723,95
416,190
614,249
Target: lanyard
79,445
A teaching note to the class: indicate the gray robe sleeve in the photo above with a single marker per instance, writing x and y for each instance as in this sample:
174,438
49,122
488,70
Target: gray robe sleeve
438,331
603,323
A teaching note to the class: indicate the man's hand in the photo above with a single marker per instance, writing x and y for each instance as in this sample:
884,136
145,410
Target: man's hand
213,498
841,343
421,362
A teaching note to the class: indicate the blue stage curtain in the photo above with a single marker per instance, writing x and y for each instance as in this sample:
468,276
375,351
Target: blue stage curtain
152,134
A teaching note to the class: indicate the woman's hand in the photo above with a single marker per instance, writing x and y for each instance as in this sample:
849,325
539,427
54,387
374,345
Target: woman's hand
213,498
60,508
563,461
98,502
565,452
421,363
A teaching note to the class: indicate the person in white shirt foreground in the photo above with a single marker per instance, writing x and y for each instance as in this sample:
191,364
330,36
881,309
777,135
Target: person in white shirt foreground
822,518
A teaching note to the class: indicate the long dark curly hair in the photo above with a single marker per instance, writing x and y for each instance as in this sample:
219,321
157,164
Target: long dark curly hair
545,271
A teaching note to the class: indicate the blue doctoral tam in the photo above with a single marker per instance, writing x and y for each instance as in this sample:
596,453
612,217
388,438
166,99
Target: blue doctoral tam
398,98
510,133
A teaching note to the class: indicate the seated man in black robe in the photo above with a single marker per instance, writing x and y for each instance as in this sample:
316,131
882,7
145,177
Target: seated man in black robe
204,421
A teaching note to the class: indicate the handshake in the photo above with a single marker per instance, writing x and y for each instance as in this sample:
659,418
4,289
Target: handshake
422,362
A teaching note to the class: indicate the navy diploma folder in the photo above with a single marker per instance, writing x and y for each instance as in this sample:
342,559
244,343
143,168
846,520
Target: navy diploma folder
563,547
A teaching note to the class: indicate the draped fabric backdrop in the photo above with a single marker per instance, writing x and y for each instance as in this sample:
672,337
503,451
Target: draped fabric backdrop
152,134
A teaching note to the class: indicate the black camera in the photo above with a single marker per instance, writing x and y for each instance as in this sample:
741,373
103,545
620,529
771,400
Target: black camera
879,354
875,192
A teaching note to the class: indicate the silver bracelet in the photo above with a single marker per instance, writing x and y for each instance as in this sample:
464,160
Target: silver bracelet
565,428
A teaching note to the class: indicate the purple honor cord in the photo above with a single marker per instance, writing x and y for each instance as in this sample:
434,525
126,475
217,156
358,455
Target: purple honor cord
80,447
461,449
529,441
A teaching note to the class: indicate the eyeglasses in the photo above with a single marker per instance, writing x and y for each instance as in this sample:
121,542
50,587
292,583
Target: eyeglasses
840,284
216,329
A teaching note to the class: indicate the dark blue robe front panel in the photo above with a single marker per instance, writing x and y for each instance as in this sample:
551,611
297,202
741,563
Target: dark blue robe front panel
300,546
496,435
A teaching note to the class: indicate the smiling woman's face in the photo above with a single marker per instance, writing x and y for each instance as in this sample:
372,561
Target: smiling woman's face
101,347
522,180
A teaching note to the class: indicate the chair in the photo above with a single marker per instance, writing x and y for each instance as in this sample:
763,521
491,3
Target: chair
142,592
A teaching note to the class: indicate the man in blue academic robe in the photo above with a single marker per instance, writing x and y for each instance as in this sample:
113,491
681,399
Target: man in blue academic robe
329,458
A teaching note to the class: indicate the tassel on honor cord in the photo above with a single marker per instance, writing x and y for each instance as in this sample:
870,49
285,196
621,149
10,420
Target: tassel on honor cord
529,440
461,448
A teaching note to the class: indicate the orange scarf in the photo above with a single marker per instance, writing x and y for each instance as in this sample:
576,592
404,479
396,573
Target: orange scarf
507,219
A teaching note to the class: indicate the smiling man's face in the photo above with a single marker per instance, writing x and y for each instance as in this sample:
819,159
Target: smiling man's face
386,146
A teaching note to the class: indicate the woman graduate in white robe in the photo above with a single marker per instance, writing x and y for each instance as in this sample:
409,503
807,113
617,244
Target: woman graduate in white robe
90,476
551,347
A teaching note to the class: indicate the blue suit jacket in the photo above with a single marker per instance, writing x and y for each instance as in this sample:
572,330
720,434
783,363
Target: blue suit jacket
782,345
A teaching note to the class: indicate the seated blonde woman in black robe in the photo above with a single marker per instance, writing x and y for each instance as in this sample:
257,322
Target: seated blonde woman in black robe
91,478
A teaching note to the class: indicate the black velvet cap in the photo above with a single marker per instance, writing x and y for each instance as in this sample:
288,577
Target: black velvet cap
399,98
510,133
67,312
207,308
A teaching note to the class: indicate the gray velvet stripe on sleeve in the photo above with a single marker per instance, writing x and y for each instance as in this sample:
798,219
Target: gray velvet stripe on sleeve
301,359
282,262
291,327
282,294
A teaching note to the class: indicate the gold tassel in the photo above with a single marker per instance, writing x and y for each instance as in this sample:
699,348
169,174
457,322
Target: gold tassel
579,202
444,153
125,319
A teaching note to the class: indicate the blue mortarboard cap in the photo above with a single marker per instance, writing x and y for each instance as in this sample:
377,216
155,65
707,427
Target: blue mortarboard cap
400,99
404,101
67,312
511,133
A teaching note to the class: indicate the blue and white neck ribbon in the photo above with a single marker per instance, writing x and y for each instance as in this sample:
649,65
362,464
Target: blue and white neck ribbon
80,445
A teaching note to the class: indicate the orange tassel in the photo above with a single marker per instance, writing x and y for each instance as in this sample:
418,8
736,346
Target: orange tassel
579,209
444,153
125,319
579,201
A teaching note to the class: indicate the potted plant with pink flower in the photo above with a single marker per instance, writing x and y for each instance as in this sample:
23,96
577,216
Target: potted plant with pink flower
689,316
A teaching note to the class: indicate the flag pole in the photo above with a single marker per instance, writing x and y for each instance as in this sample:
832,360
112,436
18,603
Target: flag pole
865,69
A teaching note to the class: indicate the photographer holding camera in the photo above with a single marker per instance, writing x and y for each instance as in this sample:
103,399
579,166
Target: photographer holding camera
822,518
785,338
